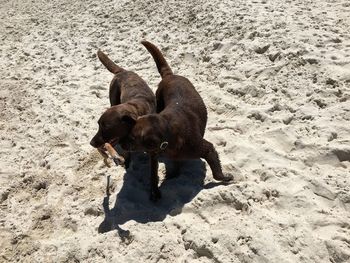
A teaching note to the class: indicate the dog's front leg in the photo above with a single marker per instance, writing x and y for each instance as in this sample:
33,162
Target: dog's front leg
155,192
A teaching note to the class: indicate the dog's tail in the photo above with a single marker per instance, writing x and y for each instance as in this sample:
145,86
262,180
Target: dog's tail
162,65
108,63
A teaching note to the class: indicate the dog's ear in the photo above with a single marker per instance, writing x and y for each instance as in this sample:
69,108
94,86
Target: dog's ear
129,119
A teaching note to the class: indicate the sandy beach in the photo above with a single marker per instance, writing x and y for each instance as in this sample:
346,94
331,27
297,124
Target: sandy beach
275,77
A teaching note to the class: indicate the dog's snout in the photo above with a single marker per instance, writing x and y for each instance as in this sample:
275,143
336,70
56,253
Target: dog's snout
96,142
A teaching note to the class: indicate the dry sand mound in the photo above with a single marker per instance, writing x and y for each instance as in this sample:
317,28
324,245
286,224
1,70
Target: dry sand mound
275,77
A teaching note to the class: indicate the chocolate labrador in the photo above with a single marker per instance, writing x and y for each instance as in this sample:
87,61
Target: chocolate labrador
177,130
130,97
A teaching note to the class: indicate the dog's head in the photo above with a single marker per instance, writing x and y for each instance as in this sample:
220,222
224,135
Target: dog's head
149,133
114,124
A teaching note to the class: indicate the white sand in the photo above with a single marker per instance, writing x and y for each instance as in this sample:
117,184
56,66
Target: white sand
275,78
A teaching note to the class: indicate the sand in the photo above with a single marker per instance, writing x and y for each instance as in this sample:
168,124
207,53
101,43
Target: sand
275,76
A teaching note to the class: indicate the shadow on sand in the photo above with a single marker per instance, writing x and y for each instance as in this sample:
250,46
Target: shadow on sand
132,202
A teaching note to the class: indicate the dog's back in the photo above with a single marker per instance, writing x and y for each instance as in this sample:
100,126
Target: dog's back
127,86
179,97
178,93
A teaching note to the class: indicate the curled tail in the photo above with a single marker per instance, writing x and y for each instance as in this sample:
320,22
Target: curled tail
162,65
109,64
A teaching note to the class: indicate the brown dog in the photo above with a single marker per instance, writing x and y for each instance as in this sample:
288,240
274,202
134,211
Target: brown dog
177,130
130,97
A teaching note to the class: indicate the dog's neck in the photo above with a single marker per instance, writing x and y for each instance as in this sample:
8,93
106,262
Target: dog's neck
166,127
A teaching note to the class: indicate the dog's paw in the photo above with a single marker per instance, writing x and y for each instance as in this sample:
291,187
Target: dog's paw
226,178
155,195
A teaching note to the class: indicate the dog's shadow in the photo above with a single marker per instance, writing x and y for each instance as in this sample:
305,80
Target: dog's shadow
132,201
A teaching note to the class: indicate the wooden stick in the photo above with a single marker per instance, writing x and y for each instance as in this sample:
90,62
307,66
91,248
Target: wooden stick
118,159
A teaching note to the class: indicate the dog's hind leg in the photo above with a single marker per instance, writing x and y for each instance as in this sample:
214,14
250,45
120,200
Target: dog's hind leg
209,153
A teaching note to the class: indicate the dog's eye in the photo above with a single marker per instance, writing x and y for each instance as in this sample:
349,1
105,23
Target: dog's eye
106,127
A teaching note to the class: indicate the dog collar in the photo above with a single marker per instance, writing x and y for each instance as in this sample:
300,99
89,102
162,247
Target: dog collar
163,145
